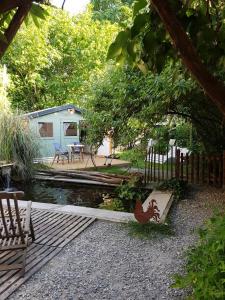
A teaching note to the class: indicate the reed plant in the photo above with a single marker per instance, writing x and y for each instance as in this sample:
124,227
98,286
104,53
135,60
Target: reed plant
17,144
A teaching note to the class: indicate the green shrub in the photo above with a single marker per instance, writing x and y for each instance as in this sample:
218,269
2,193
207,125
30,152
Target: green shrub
135,156
161,135
183,134
177,186
114,204
205,269
126,196
17,144
161,147
186,136
128,193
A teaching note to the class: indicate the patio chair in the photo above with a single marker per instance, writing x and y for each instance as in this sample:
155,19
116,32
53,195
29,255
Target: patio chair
76,151
15,229
60,153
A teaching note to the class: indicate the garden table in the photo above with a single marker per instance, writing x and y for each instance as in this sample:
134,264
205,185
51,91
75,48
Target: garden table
80,146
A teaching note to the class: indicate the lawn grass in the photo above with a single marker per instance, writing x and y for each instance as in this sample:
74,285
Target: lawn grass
149,230
111,170
42,166
137,159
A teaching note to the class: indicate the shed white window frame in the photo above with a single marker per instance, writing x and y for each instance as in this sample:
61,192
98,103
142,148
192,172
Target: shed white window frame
46,136
66,125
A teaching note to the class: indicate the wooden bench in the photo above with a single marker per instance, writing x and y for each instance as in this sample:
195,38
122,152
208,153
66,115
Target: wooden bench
15,228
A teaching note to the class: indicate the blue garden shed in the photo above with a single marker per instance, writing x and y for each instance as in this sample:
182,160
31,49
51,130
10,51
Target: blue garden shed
61,124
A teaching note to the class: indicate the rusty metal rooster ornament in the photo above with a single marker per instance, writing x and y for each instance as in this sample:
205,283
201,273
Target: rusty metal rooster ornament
152,212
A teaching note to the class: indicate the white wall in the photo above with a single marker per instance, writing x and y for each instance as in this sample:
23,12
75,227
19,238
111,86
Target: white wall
105,149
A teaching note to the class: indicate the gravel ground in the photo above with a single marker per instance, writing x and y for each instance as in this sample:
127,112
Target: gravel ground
104,262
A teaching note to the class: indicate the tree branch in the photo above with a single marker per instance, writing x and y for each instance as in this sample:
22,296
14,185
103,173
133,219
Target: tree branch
197,120
211,85
64,1
6,5
14,26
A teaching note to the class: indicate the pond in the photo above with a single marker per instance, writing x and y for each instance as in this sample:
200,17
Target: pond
64,193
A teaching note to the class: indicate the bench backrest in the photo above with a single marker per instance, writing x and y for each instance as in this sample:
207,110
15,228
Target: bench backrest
10,220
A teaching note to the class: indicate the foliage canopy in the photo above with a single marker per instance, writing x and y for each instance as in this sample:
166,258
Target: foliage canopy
71,67
147,43
68,50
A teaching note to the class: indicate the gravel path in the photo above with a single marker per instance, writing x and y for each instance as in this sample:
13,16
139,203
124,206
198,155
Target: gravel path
104,262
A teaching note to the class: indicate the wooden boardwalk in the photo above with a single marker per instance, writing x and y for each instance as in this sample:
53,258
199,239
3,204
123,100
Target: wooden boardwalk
53,231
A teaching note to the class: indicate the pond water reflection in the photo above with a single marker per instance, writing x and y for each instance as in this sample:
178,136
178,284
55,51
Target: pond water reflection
63,193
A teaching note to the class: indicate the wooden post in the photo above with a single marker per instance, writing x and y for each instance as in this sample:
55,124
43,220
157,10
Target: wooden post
177,168
223,171
215,177
209,165
203,168
154,166
187,166
197,168
182,166
220,176
146,166
192,168
172,162
151,164
167,163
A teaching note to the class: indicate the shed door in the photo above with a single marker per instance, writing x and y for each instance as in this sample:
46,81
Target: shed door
45,131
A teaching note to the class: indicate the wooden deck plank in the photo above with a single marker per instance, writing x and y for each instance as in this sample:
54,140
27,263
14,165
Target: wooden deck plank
53,231
44,218
28,274
10,259
36,214
37,251
52,222
57,233
10,279
68,232
76,233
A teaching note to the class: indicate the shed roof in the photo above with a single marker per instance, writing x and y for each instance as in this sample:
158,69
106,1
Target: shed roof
51,110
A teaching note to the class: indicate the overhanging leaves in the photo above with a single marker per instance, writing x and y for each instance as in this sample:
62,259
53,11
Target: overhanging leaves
138,5
116,48
39,11
139,24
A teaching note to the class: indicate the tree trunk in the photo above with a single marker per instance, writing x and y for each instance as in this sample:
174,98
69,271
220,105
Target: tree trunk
14,26
214,88
6,5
